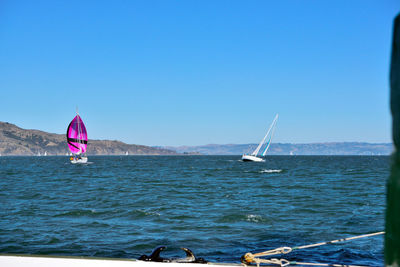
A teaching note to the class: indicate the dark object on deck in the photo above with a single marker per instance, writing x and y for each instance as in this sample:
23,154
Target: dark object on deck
155,256
392,236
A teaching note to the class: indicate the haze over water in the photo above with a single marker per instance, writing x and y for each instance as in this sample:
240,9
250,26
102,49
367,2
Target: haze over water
218,206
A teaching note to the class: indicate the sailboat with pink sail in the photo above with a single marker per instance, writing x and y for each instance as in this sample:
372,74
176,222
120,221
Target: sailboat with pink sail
77,140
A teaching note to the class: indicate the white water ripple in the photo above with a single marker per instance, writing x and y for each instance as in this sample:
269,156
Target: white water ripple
253,218
270,171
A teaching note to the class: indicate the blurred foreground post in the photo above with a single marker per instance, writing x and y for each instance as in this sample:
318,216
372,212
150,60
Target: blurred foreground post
392,236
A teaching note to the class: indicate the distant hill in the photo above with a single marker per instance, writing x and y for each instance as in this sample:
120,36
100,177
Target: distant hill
334,148
18,141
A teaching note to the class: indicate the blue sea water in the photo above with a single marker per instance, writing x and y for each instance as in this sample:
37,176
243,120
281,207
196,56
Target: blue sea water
218,206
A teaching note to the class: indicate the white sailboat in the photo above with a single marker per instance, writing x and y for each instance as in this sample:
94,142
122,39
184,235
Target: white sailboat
253,156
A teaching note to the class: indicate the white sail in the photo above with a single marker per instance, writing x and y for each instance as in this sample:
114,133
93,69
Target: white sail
272,129
255,152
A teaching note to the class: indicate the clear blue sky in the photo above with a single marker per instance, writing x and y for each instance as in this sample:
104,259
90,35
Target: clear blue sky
199,72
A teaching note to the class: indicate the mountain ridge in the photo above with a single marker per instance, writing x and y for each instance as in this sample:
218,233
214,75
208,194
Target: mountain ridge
16,141
320,148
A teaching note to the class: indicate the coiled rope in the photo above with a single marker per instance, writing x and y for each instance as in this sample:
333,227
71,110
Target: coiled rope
249,258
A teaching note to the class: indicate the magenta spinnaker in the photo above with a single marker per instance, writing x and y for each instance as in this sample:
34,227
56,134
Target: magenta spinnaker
77,136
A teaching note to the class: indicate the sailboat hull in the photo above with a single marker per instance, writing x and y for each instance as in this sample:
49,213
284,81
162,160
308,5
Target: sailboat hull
79,161
252,158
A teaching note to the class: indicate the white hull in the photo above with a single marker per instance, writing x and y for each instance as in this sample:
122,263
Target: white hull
252,158
49,261
79,161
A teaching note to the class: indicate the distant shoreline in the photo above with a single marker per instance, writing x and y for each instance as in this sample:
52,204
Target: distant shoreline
329,148
15,141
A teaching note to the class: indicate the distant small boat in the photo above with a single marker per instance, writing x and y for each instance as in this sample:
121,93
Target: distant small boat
126,153
77,140
253,156
45,153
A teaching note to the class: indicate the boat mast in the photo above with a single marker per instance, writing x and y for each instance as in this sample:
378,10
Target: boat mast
79,130
265,137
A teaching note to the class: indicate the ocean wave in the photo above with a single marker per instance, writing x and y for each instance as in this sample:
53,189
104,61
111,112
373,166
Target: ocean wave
141,213
80,213
150,213
254,218
232,218
270,171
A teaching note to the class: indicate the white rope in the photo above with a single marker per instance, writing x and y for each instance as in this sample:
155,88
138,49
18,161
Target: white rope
339,240
255,258
280,262
325,264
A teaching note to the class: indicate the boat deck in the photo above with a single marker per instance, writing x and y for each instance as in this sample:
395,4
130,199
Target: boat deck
51,261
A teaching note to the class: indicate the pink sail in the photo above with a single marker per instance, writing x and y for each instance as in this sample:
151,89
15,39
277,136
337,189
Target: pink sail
77,136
